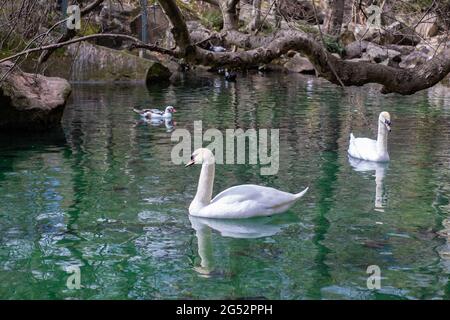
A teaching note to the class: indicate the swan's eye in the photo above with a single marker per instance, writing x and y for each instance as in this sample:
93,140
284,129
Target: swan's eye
192,157
387,122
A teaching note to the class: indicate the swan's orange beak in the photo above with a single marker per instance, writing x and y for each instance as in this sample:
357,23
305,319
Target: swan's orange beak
190,163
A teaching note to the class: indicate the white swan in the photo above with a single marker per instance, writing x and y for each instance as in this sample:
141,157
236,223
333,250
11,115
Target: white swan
244,201
372,150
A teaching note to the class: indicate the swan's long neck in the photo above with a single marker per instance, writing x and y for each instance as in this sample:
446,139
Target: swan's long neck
205,185
382,138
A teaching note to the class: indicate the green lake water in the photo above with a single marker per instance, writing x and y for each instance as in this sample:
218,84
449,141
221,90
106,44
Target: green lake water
102,194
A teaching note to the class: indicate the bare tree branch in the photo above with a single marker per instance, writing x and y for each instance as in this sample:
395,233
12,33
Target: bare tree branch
137,44
70,33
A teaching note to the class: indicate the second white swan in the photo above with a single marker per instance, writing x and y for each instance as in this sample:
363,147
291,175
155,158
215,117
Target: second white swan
372,150
244,201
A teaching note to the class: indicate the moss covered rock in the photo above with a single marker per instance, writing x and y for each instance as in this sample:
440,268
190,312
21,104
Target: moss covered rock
89,62
31,101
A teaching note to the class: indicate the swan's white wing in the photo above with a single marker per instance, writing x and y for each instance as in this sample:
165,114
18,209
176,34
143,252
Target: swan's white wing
248,201
244,192
362,148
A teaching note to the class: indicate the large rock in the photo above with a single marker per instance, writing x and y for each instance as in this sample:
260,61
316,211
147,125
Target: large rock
355,49
31,101
358,48
379,54
416,58
395,33
404,50
425,51
364,32
299,64
398,33
97,63
428,27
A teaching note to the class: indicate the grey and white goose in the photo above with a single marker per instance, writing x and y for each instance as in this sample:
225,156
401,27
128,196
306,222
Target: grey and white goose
156,113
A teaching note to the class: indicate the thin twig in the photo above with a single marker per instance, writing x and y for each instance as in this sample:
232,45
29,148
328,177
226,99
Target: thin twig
323,47
264,19
137,44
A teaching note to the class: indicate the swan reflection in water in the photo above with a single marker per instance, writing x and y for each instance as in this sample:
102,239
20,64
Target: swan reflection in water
380,172
239,229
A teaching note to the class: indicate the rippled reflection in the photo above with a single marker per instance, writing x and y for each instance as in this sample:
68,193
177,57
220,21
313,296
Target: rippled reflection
168,123
379,169
239,229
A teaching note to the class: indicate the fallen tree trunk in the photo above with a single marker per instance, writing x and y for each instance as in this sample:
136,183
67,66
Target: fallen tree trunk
403,81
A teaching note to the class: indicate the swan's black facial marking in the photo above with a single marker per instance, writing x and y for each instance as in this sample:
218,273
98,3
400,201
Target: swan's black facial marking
190,163
388,124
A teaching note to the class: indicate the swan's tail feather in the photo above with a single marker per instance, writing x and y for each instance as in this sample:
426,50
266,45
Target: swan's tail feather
301,194
352,137
291,201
